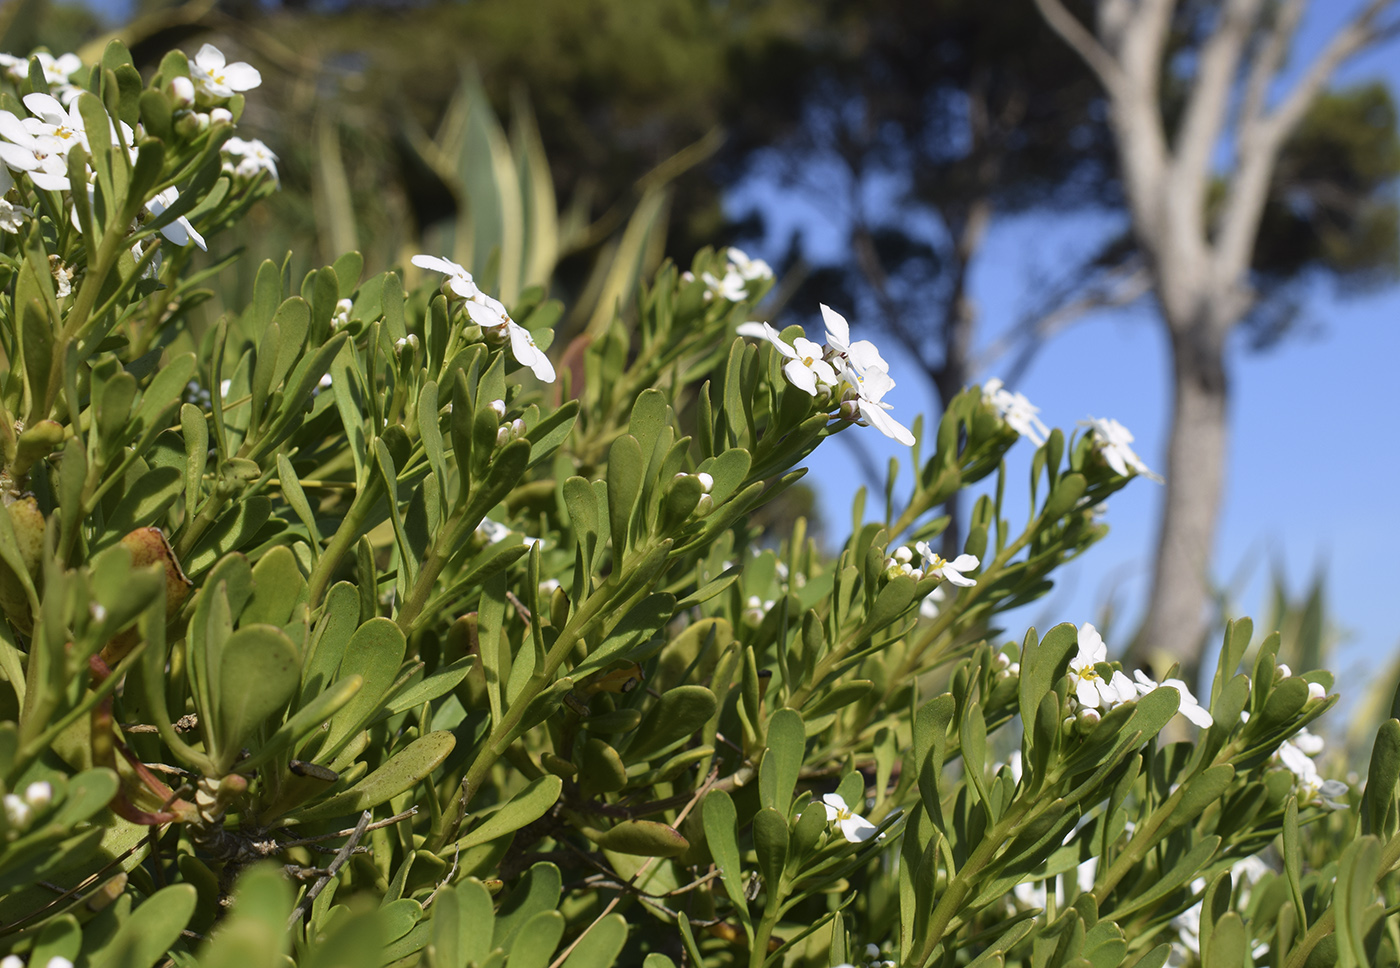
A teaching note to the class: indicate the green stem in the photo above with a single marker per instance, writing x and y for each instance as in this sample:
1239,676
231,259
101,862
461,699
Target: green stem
342,541
447,540
961,886
1327,923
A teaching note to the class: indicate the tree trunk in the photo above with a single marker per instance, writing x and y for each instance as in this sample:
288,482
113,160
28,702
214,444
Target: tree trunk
1178,618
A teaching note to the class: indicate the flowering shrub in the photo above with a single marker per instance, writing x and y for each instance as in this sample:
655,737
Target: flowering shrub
359,629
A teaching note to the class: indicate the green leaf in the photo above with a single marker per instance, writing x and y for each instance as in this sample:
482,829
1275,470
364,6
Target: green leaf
1378,806
527,806
538,890
626,466
258,673
534,945
1356,886
152,928
404,770
677,714
721,822
374,653
777,774
1181,872
770,841
643,838
277,587
600,944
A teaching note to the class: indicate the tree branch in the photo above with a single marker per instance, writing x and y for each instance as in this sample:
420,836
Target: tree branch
1083,42
1269,60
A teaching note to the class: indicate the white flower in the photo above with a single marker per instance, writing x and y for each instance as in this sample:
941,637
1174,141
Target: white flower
864,403
44,160
1090,688
1112,439
858,357
1189,707
1016,410
806,368
246,158
732,287
950,571
218,79
16,69
12,217
52,120
459,280
854,827
1311,787
57,961
746,267
180,231
492,531
490,314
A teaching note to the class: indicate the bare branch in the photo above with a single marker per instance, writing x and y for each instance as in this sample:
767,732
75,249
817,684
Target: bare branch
1268,61
1360,33
337,862
1206,108
1084,43
1261,141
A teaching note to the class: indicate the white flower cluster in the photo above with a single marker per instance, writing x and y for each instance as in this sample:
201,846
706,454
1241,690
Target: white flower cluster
490,315
1095,695
739,271
38,145
20,810
1296,756
1018,412
249,158
58,72
872,959
855,373
1112,440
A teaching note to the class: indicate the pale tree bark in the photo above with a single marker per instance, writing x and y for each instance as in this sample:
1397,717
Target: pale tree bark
1200,270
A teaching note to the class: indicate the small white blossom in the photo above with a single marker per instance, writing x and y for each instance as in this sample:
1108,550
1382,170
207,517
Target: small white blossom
490,314
853,826
928,608
247,158
1113,440
218,79
180,231
1311,787
1018,412
858,357
748,268
12,217
1189,707
730,287
805,368
43,159
865,400
1090,688
950,571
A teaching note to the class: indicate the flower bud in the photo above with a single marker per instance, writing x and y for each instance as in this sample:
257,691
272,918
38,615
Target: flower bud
409,342
190,123
904,555
1001,660
704,506
182,92
707,482
1316,691
1283,672
221,116
1087,720
518,429
850,411
17,812
344,306
38,794
499,406
1014,669
502,436
11,961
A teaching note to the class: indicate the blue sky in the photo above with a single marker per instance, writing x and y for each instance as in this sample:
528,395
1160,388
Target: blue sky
1310,472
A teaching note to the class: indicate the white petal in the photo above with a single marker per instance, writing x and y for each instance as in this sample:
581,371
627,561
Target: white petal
893,429
47,107
838,333
965,562
439,265
209,57
800,376
1091,645
1086,692
242,77
857,829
